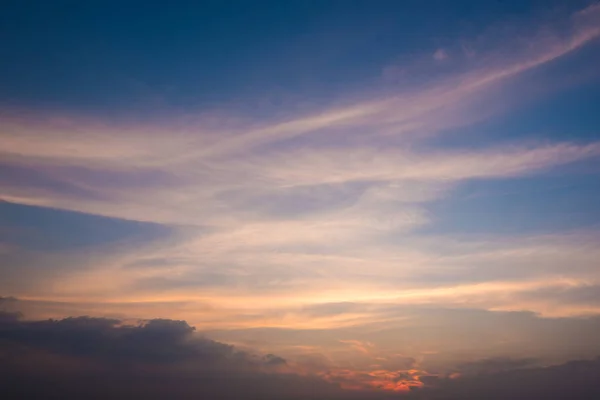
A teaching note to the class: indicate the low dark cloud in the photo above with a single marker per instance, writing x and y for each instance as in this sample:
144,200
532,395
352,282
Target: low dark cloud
574,380
100,358
494,365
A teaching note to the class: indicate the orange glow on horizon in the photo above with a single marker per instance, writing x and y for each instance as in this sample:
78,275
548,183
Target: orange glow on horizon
395,381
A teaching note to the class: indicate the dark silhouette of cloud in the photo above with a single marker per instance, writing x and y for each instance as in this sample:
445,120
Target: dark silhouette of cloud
573,380
87,357
101,358
493,365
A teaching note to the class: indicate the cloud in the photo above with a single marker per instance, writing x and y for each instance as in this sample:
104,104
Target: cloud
96,357
99,358
494,365
160,173
408,337
574,380
305,167
251,281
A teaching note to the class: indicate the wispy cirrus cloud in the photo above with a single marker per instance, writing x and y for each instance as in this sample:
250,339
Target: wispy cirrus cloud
86,141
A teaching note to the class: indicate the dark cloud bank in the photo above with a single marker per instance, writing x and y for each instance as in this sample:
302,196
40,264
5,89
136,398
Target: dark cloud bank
98,358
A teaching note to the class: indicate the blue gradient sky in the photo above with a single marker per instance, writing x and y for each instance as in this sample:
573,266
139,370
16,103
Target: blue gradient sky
310,178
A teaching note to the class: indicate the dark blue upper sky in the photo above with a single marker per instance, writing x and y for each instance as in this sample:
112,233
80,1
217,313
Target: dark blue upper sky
105,56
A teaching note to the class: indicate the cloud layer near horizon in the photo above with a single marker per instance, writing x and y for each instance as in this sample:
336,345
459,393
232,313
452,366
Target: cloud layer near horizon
100,358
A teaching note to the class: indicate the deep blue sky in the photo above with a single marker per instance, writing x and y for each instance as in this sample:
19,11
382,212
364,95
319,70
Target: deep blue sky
106,56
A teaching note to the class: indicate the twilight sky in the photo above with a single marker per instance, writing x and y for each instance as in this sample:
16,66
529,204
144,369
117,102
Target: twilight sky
379,192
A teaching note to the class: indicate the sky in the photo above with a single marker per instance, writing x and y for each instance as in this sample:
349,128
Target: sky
350,198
